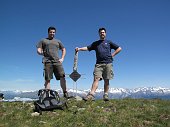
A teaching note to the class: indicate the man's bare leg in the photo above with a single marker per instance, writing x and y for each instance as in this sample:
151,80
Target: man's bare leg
90,96
63,84
94,85
106,85
47,84
106,90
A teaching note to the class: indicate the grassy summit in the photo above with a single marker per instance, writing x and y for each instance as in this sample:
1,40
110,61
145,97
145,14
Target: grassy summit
114,113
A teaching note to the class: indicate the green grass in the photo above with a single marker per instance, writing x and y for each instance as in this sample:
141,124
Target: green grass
115,113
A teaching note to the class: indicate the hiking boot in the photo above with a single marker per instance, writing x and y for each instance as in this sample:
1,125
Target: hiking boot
89,97
105,97
65,95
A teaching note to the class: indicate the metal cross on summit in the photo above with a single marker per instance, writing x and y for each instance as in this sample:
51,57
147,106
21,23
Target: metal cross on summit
75,75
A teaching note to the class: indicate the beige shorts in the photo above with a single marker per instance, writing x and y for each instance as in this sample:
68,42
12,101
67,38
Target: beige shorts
103,71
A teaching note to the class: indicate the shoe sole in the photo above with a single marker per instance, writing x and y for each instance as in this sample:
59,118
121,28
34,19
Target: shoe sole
105,99
88,99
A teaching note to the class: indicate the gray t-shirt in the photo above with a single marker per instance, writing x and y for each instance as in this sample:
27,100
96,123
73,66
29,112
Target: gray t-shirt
50,49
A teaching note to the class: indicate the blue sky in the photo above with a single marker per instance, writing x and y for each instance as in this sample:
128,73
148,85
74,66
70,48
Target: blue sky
140,27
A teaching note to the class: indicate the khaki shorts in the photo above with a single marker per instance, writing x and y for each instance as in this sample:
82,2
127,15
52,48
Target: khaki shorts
57,69
103,71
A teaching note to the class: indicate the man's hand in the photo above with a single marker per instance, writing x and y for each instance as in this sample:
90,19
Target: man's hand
40,51
76,49
116,51
61,60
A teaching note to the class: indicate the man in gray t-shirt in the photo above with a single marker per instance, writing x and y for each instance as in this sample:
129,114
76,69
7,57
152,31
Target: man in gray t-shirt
49,48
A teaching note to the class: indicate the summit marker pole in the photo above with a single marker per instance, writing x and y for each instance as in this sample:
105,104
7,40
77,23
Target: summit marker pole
75,75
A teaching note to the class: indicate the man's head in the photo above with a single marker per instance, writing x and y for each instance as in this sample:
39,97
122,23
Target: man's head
51,32
102,33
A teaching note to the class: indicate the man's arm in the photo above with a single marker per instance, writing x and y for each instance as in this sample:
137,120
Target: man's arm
81,49
116,51
40,51
63,55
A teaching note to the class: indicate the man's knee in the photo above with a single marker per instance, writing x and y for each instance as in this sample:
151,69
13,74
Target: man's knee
47,81
97,79
106,81
62,79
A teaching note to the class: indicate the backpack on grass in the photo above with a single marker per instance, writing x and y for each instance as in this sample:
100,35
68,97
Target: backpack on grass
49,100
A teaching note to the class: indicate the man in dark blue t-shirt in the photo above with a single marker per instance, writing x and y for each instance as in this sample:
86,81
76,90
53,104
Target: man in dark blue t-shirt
103,67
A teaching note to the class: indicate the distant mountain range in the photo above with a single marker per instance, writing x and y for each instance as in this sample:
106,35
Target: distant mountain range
114,93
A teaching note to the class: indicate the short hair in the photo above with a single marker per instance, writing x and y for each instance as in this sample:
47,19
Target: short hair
100,29
51,28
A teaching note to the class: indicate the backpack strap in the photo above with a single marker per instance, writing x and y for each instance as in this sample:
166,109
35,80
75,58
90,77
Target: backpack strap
55,95
43,93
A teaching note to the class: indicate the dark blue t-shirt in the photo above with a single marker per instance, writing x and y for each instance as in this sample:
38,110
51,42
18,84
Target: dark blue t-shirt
103,50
